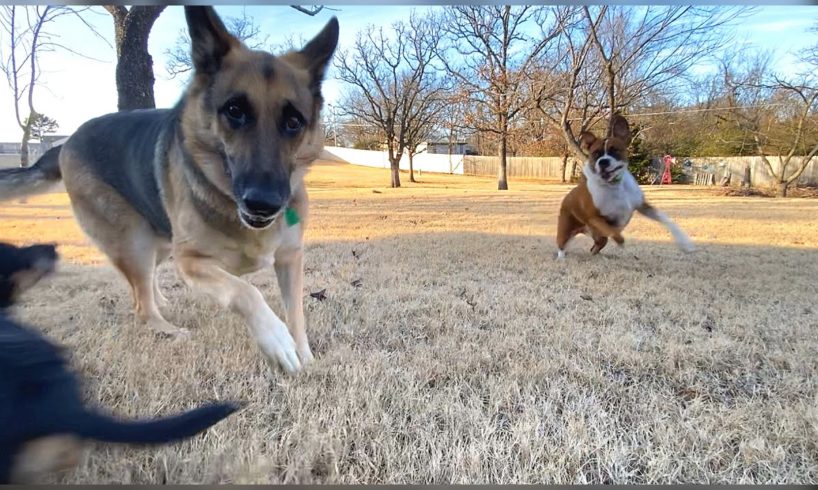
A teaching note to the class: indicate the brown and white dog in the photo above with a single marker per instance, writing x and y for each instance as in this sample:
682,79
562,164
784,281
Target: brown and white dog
604,201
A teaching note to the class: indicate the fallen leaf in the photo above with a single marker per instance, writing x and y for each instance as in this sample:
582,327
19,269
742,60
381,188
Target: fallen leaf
319,295
356,283
586,297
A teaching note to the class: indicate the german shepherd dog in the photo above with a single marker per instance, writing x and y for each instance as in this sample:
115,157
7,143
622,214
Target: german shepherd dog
42,417
217,181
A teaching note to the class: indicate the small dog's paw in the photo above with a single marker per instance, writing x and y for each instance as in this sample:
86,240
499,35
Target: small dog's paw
618,239
560,255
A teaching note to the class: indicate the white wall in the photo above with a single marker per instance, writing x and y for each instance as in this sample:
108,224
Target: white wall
424,162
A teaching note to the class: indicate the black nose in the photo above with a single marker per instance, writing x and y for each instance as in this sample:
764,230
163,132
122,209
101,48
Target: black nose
263,203
604,163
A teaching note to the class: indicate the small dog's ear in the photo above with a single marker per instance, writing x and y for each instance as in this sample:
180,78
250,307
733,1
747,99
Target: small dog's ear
209,39
317,53
620,128
586,139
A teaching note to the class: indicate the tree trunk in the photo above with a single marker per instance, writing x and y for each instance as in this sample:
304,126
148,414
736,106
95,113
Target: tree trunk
783,187
563,166
394,164
745,181
24,145
411,168
502,180
134,65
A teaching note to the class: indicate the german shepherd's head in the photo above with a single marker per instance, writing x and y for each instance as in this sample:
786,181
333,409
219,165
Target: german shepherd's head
251,119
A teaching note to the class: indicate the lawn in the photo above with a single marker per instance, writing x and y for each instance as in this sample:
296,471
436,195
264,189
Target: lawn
452,348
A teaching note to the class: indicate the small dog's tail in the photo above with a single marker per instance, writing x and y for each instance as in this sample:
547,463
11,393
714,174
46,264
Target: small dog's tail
36,179
682,240
103,428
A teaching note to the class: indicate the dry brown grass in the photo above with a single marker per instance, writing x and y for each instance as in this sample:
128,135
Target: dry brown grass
467,354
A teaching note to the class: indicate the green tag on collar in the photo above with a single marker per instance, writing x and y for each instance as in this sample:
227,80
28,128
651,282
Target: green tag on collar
291,215
617,180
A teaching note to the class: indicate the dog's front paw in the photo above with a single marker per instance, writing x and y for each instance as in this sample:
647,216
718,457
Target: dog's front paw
619,239
305,355
166,329
687,247
279,347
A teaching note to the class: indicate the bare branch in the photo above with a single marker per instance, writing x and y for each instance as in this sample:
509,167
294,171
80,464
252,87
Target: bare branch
311,11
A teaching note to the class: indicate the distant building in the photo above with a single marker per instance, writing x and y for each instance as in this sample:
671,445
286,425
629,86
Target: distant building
442,148
35,148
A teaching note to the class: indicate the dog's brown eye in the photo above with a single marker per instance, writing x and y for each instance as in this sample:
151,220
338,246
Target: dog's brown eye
292,125
235,111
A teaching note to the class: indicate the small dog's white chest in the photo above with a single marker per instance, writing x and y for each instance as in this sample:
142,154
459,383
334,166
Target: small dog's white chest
616,202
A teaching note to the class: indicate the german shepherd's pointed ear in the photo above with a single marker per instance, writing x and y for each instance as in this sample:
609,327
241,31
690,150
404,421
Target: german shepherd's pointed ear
586,139
209,39
317,53
620,128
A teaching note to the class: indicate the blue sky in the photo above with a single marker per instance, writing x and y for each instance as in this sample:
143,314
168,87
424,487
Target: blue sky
74,89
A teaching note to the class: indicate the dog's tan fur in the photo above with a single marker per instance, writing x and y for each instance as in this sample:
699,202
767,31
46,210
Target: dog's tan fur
212,249
46,455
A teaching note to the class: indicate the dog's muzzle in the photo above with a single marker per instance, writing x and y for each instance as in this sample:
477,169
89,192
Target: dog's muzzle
257,222
610,175
259,209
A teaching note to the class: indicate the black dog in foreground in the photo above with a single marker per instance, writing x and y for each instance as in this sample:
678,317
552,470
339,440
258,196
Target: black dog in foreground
42,418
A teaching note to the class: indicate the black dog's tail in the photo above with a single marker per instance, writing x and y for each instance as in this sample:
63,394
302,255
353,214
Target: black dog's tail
107,429
36,179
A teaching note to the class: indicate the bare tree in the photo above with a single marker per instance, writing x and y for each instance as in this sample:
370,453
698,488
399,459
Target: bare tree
452,116
642,48
43,125
27,37
615,57
489,55
788,130
134,65
389,79
567,87
243,28
422,117
134,68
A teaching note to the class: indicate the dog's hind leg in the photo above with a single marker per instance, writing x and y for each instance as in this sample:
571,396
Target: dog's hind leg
567,228
599,243
682,240
126,238
162,253
207,275
136,259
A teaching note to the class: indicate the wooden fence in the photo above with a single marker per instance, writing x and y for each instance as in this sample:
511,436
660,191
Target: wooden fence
548,168
704,171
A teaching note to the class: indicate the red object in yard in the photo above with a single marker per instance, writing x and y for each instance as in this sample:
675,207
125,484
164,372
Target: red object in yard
666,177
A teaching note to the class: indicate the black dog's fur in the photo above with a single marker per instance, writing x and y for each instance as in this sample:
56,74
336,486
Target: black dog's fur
40,397
15,260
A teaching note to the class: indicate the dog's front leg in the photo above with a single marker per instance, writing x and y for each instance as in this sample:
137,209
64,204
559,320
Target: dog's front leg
271,334
289,267
602,228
